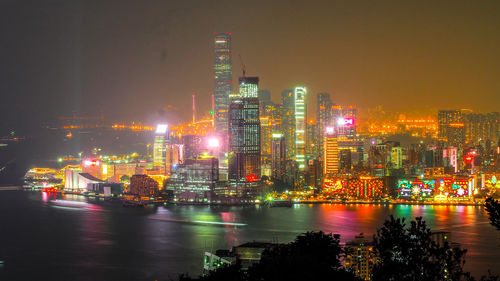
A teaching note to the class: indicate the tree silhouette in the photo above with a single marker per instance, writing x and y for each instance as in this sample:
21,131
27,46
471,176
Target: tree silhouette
493,208
408,253
312,256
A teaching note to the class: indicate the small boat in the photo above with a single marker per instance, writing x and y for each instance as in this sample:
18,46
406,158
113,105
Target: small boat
281,203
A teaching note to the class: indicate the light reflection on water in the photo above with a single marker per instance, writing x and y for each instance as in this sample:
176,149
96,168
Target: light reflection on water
105,241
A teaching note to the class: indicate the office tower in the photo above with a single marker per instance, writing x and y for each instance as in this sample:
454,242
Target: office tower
288,122
192,146
278,155
174,155
396,157
330,152
450,158
345,160
223,81
270,123
195,179
481,127
300,95
160,147
249,87
345,119
451,127
244,138
323,117
312,140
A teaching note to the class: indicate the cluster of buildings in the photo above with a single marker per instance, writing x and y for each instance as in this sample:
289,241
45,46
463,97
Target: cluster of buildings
252,144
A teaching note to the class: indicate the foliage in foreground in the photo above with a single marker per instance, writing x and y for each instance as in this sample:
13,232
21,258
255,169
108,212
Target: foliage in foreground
493,208
405,253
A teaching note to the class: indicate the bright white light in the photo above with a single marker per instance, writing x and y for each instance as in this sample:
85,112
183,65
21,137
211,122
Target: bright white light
87,163
213,142
277,136
329,130
161,129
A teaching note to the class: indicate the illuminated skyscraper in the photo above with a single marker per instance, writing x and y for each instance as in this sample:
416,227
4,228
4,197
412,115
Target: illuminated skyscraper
451,127
345,119
160,147
278,156
223,81
323,117
288,122
244,137
300,95
330,152
249,87
481,127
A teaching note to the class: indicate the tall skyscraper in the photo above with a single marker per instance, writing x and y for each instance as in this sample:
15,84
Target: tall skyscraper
481,126
330,152
160,147
223,82
451,127
300,94
278,156
288,121
345,119
323,117
249,87
244,136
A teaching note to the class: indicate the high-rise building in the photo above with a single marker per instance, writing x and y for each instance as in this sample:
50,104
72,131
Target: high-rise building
288,121
323,117
160,147
223,81
174,155
278,156
451,127
244,138
360,257
330,152
345,119
195,179
481,127
192,146
300,95
249,87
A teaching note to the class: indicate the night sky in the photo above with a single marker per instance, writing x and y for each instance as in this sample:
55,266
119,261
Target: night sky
132,59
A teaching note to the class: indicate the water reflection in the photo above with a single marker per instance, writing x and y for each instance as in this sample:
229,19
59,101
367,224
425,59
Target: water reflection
158,242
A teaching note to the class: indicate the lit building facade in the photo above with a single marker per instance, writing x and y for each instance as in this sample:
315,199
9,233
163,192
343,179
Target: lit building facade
160,147
278,155
288,122
451,127
323,117
249,87
330,152
300,126
360,257
481,127
195,179
223,81
244,139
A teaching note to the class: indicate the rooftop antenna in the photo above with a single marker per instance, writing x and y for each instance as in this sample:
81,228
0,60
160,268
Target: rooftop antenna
242,65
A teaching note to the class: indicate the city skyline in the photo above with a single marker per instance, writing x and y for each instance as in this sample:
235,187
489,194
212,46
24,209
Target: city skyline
355,52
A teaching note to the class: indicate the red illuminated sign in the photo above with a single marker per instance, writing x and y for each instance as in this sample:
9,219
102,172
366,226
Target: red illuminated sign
251,178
